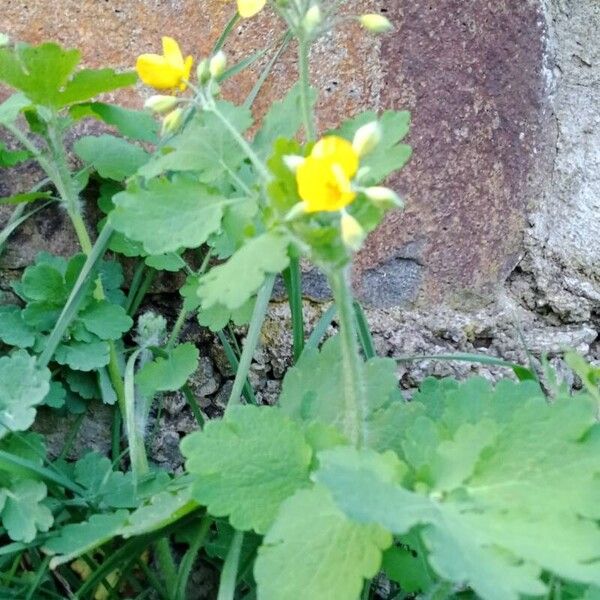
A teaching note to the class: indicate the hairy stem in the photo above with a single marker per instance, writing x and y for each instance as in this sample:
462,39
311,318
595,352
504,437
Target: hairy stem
353,386
242,143
305,104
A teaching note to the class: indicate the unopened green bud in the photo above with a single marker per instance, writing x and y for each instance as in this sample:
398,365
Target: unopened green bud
203,72
375,23
366,138
160,103
217,64
383,196
172,121
312,18
353,234
4,40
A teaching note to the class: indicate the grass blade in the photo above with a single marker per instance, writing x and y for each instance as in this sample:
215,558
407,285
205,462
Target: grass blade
364,333
321,327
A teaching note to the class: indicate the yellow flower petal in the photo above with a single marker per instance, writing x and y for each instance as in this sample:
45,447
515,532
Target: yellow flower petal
156,72
172,52
321,188
324,178
248,8
338,151
165,72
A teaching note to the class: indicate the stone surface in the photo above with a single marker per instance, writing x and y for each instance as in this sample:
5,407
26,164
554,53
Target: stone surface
469,71
563,245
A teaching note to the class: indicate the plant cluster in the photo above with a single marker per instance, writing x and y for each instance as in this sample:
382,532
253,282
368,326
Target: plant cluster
343,489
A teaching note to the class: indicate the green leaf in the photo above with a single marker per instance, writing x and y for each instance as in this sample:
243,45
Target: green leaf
159,510
24,514
105,487
23,198
85,384
504,485
13,330
168,215
38,71
113,157
76,539
283,120
246,464
170,373
107,321
133,124
234,282
10,108
10,158
57,395
44,72
407,565
44,283
171,262
217,316
310,393
22,387
88,83
204,146
81,356
389,155
314,551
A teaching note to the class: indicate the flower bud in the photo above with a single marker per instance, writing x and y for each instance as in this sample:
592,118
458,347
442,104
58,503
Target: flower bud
203,72
375,23
366,138
150,330
312,18
353,234
293,161
160,103
172,121
4,40
383,196
217,64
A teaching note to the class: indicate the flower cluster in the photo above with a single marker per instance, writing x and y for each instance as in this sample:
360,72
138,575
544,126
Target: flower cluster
327,180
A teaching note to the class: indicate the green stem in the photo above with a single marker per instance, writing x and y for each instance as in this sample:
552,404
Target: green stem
242,143
305,103
135,437
352,366
258,317
230,568
179,323
62,179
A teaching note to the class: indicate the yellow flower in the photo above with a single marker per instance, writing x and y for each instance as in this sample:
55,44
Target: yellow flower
324,178
167,71
248,8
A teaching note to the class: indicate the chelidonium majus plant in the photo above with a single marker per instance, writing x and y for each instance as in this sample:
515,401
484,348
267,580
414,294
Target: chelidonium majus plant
341,490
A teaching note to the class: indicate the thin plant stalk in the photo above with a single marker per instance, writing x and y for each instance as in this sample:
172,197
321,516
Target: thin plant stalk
353,386
305,104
